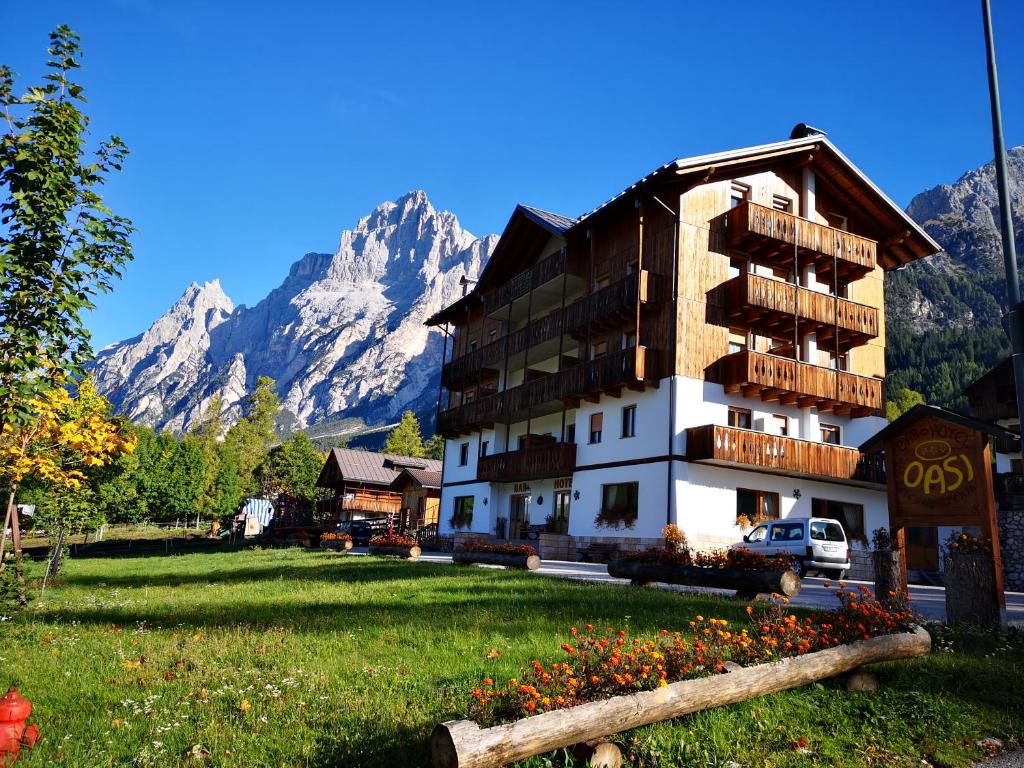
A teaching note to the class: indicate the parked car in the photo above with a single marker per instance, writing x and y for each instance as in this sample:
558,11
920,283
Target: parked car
818,543
364,530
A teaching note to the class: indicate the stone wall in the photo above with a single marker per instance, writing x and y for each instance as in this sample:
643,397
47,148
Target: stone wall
1011,547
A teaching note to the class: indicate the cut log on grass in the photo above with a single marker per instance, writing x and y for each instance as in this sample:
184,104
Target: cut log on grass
406,553
464,744
506,559
746,583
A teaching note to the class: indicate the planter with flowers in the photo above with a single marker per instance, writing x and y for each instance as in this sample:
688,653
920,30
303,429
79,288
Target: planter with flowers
608,682
392,545
521,556
748,573
339,542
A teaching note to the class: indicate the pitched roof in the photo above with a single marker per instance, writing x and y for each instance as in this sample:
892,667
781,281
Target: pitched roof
553,222
371,467
425,478
875,443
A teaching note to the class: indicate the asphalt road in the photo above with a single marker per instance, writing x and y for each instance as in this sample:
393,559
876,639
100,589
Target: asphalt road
927,601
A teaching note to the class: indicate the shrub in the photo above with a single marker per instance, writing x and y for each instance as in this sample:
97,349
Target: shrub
882,540
674,538
959,542
740,558
332,536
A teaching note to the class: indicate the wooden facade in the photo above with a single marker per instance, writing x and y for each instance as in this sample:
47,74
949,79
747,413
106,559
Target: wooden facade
783,250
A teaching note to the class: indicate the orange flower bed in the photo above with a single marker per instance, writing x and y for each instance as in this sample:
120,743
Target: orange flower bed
479,545
741,559
964,543
331,536
600,664
392,541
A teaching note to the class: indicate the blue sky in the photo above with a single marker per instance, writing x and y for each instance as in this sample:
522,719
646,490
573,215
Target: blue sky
260,130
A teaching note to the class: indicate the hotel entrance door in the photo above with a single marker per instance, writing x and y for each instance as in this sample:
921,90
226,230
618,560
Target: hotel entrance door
519,515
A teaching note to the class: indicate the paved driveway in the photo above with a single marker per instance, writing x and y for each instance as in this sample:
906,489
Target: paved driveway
928,601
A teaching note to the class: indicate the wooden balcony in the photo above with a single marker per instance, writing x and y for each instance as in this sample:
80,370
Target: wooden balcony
633,368
544,271
780,237
605,309
743,448
770,307
791,382
368,502
532,462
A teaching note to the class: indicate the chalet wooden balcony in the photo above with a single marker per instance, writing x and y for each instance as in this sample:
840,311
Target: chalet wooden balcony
544,271
791,382
605,309
781,237
633,368
771,307
532,462
743,449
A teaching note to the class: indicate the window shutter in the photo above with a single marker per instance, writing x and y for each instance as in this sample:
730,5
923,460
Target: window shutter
597,422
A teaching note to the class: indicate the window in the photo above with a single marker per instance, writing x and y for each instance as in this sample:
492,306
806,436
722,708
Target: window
602,281
831,434
739,193
737,340
739,418
570,433
822,530
782,203
628,340
464,454
629,421
836,220
781,424
468,396
493,334
598,349
756,505
850,516
758,534
788,532
472,345
596,427
620,500
484,447
561,510
462,512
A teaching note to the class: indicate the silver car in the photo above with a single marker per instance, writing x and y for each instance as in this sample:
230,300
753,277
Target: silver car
817,543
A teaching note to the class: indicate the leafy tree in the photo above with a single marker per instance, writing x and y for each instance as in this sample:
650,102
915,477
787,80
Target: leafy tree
434,449
295,466
59,244
405,439
904,400
252,437
66,437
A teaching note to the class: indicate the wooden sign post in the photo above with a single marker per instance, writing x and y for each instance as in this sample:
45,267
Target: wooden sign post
938,467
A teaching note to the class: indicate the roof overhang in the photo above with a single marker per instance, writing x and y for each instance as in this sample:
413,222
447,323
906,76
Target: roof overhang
876,443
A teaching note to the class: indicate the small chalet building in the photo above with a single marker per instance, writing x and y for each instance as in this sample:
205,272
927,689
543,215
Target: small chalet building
370,485
703,349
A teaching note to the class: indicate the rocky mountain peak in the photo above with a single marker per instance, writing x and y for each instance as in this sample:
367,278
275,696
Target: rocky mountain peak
342,335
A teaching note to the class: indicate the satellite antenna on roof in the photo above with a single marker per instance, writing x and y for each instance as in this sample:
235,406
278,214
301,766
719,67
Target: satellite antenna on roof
803,130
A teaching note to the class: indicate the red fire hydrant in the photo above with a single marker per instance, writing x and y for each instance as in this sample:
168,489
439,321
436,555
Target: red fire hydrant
15,732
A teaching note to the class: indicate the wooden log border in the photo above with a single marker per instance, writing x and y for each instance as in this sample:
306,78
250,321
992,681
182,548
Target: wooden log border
746,583
406,553
506,559
464,744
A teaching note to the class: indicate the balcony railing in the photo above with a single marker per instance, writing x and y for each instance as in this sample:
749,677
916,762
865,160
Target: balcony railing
543,271
633,367
373,503
766,303
783,378
783,455
529,463
752,227
603,309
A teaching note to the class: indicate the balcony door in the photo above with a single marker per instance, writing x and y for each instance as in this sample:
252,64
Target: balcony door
561,511
518,515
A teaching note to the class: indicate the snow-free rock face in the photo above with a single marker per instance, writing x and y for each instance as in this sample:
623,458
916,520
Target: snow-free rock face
343,335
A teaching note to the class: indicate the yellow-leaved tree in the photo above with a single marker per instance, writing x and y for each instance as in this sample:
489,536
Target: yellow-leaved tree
66,437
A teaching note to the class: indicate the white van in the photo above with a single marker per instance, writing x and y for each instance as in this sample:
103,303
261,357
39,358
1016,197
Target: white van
818,543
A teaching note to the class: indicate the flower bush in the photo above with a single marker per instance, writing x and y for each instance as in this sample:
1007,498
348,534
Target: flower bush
882,540
333,536
674,538
479,545
740,559
392,540
959,542
599,664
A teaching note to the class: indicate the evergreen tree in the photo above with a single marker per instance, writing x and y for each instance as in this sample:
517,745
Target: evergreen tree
405,439
250,440
295,467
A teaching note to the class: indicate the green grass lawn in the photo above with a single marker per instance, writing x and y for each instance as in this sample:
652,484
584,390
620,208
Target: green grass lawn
291,658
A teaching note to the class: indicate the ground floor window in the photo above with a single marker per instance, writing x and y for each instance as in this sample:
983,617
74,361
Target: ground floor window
462,512
619,504
850,516
752,507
